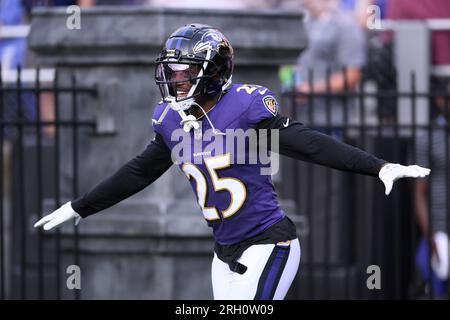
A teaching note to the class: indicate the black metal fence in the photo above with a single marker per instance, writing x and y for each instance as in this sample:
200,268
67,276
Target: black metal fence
38,121
351,223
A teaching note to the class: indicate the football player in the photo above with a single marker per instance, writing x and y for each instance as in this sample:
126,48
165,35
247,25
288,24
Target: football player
257,252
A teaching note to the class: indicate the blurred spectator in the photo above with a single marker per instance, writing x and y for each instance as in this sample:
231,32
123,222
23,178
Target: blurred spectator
358,8
12,55
47,109
12,50
435,217
380,70
335,42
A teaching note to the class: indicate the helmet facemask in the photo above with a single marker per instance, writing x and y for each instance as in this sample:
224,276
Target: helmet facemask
185,79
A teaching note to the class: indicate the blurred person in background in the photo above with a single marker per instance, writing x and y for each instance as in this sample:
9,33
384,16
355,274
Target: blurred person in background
433,219
47,99
12,50
336,41
13,54
358,8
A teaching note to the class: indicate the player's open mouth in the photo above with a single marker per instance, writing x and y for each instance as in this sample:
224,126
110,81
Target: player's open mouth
181,93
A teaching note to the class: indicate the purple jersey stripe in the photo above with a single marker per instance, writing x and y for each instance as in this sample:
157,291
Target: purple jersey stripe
274,273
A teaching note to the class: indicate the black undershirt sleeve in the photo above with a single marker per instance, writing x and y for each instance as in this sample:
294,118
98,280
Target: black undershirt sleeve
300,142
131,178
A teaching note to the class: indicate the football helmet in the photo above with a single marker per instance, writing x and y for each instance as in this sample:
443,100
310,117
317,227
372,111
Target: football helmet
197,60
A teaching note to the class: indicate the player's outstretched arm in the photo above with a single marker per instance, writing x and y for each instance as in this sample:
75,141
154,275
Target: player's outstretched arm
303,143
131,178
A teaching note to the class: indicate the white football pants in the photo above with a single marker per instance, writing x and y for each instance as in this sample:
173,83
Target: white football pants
270,271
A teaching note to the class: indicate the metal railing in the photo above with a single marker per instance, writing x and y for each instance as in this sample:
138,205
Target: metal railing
352,225
31,260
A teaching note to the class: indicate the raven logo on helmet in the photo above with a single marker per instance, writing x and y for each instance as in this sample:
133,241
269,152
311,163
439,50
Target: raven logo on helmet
210,41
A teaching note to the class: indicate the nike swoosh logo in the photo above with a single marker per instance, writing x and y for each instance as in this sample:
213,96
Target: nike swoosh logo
287,123
261,92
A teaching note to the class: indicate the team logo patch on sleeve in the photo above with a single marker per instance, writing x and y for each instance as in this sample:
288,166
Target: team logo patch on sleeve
271,104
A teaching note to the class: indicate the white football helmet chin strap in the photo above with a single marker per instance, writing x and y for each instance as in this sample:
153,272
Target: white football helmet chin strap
189,121
187,126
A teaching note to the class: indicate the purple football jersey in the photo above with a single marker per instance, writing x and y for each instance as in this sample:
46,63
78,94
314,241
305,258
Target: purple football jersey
237,201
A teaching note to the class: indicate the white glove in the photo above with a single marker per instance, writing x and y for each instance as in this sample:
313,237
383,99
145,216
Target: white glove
64,213
390,172
439,262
